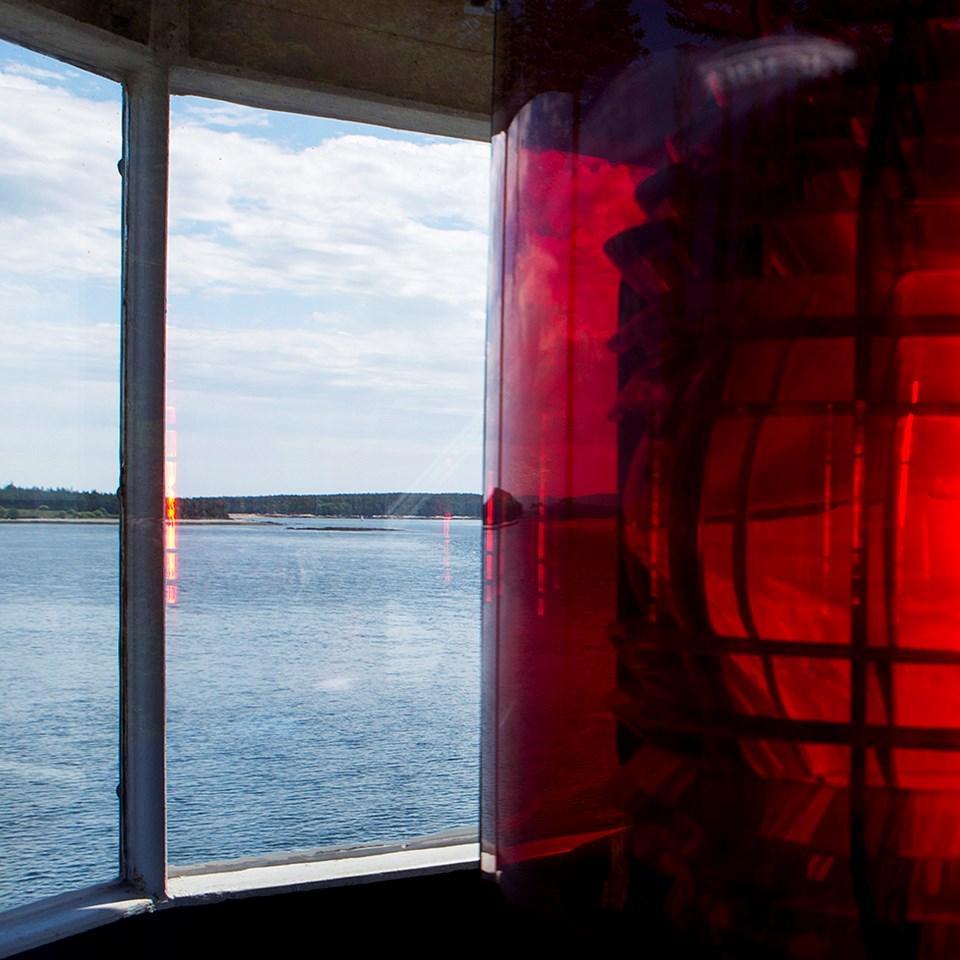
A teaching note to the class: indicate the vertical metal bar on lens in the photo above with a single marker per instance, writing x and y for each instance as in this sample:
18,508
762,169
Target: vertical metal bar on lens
142,674
871,298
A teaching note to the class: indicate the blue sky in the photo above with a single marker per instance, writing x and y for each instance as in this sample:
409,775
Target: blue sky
326,295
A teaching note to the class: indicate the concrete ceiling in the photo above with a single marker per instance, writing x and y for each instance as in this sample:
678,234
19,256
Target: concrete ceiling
418,64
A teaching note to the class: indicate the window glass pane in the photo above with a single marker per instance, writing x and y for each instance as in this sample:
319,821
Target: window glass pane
326,324
59,367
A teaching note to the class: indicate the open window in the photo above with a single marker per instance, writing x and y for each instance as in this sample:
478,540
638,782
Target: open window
265,706
60,276
325,336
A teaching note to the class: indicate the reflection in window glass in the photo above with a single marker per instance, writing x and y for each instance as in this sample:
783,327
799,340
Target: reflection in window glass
326,323
59,283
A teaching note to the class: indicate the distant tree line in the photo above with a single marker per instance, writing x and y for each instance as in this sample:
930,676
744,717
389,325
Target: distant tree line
56,503
335,505
21,502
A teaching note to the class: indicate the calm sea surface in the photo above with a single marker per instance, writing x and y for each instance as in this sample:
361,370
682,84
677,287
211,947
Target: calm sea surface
323,689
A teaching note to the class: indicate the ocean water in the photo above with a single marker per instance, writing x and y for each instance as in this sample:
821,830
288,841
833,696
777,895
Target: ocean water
323,690
58,708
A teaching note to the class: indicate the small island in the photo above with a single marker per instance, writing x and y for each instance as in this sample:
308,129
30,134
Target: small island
348,529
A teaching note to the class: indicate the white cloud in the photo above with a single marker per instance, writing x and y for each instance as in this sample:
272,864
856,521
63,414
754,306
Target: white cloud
311,363
320,295
354,214
60,394
38,73
59,185
209,113
375,381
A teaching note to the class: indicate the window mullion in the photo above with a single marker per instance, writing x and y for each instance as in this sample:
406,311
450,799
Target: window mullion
142,665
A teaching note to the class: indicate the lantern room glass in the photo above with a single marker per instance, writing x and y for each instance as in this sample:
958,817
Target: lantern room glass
722,603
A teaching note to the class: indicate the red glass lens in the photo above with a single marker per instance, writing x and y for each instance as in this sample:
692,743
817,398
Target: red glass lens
722,609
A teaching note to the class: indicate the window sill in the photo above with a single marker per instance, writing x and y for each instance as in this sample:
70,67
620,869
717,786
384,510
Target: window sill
56,918
367,864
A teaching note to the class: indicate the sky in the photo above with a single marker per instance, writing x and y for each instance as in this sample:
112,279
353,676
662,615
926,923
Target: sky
326,295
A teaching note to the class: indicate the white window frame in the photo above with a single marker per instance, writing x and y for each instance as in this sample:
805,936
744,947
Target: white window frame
144,882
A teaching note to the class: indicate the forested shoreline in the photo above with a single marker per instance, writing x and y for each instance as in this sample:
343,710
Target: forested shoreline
62,503
335,505
56,503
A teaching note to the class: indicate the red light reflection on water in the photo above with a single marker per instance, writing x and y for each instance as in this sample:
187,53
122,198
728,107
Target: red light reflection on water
170,510
446,548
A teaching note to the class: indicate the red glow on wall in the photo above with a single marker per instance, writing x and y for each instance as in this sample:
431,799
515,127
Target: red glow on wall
489,519
551,488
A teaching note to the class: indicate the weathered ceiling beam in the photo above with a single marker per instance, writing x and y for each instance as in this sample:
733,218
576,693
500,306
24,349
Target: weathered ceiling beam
417,64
